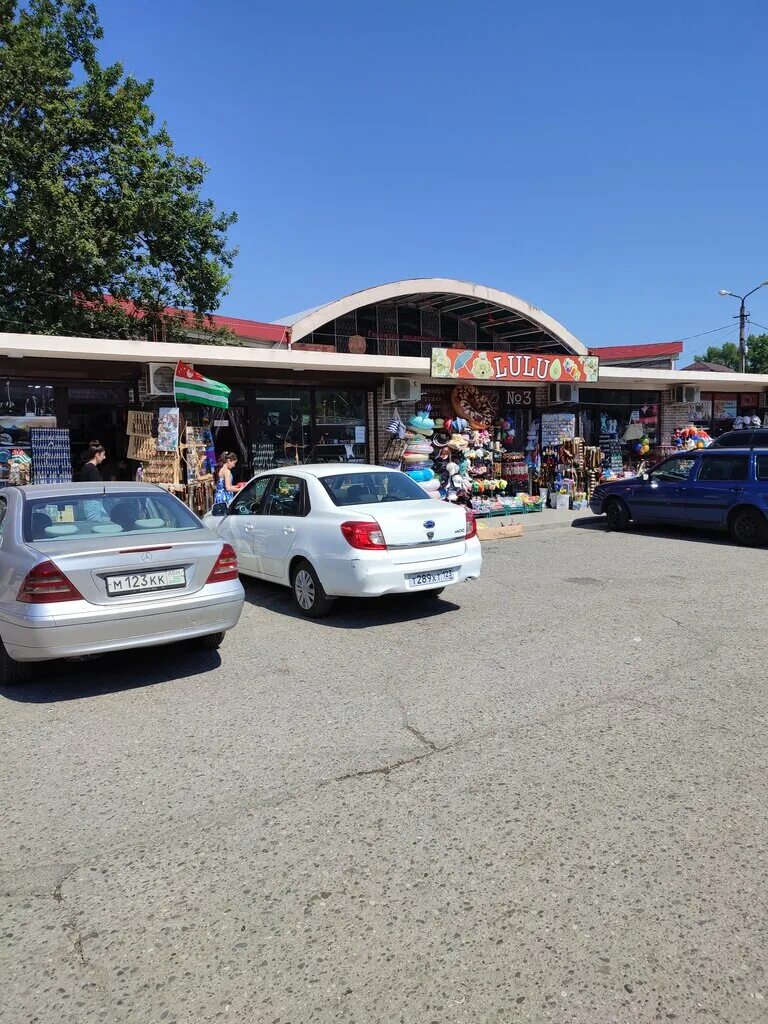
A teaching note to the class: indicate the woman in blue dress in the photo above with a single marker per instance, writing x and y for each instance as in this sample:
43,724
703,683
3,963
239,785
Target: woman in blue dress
225,489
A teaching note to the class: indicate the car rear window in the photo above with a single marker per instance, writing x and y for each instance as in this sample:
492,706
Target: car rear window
742,439
70,517
372,488
761,467
724,467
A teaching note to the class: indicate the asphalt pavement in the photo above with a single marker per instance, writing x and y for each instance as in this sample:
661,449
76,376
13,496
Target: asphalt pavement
540,798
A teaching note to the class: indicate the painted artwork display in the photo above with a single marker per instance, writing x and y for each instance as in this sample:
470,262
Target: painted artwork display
471,364
168,430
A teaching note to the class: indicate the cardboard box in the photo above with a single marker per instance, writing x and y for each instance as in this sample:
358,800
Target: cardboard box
499,528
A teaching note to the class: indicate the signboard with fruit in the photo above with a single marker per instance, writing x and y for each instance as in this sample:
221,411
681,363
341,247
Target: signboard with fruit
499,367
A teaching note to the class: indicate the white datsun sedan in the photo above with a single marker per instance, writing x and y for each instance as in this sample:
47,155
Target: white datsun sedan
337,530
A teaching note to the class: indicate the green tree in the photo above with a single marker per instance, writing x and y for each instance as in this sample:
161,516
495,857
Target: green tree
757,353
728,354
94,200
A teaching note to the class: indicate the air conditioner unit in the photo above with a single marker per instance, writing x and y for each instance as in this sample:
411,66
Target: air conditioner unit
561,394
686,394
401,389
160,378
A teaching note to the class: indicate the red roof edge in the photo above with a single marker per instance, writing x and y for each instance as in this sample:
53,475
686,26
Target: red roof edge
255,330
656,350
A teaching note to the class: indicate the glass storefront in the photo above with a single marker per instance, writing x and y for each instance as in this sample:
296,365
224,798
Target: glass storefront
281,432
295,425
339,427
608,413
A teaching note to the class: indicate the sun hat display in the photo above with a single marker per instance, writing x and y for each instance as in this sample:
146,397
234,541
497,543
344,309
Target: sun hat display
458,442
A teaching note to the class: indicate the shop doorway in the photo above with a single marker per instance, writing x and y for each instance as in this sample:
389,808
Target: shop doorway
100,414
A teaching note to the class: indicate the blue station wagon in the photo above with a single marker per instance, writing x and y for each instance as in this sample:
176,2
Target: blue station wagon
720,489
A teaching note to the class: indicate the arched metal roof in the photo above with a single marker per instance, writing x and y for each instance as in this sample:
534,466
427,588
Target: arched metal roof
506,316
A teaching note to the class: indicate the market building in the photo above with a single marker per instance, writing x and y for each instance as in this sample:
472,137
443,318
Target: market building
323,385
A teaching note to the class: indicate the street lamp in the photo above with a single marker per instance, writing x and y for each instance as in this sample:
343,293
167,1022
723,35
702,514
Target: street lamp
742,322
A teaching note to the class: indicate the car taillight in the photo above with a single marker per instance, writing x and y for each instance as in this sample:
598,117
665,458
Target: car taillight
365,536
47,584
225,567
470,529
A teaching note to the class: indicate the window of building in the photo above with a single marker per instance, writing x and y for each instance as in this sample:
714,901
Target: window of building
608,413
339,427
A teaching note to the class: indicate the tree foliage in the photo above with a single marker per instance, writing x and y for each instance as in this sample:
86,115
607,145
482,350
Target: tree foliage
728,354
94,200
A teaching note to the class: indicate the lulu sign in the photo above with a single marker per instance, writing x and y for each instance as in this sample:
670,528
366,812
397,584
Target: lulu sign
470,364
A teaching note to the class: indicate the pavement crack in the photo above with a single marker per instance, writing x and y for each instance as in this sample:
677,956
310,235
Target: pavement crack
76,938
384,769
58,893
419,736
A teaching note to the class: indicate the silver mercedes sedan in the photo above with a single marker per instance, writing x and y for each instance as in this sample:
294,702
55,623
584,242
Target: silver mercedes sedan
86,569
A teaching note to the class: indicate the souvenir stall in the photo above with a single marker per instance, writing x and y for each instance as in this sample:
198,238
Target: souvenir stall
460,447
173,454
570,468
32,448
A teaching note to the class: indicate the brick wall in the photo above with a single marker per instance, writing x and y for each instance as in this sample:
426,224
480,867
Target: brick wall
385,413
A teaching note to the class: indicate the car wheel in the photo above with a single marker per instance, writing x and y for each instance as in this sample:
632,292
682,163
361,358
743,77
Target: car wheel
308,593
617,514
749,528
212,642
13,672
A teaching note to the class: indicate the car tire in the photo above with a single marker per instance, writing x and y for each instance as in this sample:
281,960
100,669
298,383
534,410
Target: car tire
211,642
749,528
12,673
616,514
308,594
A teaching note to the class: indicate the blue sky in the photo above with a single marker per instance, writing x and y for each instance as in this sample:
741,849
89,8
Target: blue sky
605,161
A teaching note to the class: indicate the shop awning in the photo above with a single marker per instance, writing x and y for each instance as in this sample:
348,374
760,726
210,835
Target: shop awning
42,346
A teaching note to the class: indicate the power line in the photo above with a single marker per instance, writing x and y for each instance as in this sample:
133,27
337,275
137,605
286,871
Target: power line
713,331
754,323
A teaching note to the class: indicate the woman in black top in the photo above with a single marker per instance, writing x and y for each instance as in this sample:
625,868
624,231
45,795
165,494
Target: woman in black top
93,458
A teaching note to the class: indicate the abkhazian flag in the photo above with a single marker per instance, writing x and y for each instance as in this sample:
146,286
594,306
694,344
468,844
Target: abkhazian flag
191,386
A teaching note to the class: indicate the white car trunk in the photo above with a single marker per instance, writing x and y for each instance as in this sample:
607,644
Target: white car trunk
418,531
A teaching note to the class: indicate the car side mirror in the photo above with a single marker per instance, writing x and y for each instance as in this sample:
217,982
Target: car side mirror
219,510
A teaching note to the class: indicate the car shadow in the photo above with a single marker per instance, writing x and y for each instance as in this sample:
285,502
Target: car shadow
664,531
350,613
56,681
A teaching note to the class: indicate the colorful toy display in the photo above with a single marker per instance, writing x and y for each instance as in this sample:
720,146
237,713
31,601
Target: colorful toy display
642,446
689,438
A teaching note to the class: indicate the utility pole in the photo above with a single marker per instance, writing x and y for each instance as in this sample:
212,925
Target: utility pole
742,338
742,317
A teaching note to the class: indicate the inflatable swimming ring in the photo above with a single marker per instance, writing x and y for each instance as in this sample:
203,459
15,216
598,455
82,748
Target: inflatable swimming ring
475,404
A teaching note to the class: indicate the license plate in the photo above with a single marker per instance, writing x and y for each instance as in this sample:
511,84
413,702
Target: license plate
135,582
431,579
